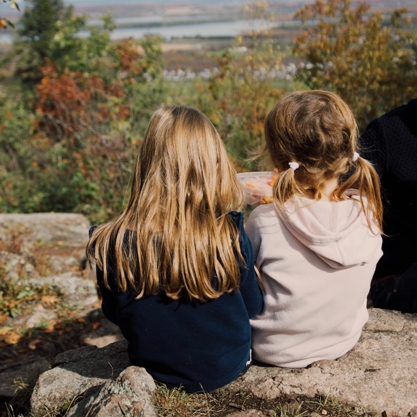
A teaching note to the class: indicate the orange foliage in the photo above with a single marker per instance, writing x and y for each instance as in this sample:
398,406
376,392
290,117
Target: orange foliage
65,101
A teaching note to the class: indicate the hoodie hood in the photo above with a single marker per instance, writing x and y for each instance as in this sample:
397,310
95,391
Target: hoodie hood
336,231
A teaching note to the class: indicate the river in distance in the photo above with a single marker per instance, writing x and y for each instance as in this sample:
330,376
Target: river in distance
190,30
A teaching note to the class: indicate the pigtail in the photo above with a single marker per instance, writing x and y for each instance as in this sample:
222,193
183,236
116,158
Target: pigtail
365,179
286,187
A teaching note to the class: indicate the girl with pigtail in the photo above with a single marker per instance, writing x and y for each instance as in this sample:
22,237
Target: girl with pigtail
317,245
176,269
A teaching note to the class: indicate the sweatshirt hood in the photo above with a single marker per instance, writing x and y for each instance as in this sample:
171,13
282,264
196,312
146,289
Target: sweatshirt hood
336,231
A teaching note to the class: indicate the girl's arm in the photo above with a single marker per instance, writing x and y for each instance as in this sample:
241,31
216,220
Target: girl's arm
249,284
109,302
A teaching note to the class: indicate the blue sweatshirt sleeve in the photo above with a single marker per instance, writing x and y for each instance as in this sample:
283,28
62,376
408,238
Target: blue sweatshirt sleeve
249,285
109,299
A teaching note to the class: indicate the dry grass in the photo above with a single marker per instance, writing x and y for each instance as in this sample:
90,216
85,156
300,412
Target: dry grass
177,403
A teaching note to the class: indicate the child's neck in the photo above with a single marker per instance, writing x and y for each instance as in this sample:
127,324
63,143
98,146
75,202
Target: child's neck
327,194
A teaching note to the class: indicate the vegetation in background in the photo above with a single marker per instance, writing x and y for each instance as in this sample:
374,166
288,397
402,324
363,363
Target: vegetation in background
73,110
358,54
238,96
4,21
71,149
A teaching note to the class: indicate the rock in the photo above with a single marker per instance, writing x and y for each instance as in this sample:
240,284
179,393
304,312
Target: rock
15,267
26,372
46,243
38,316
378,374
83,370
77,291
412,412
130,394
60,264
70,229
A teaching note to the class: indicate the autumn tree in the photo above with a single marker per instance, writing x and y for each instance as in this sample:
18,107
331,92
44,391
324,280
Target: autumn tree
359,54
38,27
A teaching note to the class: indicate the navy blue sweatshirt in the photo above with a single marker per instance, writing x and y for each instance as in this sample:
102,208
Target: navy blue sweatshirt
201,346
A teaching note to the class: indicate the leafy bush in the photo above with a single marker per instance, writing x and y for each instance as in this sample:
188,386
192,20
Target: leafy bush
368,60
71,123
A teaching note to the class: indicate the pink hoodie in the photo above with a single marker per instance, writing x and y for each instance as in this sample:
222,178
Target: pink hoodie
316,261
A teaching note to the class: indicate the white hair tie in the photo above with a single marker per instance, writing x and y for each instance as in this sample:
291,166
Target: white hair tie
294,165
355,156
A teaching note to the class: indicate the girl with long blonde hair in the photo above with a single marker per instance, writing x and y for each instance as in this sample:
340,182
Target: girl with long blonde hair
318,243
175,269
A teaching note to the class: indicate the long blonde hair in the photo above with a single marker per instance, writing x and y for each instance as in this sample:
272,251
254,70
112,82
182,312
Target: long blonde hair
175,235
318,130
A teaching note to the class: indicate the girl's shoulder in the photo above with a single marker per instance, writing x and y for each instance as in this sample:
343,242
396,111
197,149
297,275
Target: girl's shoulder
237,217
264,218
92,228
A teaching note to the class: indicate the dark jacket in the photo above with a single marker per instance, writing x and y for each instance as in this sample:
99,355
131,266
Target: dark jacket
202,346
390,143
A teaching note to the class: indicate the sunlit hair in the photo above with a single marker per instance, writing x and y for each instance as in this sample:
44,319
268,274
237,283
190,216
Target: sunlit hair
318,130
182,189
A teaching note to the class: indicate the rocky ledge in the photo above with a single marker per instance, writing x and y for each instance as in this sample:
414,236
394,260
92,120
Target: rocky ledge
379,374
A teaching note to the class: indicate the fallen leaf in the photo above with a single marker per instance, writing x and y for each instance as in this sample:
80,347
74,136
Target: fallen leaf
50,327
33,343
50,300
96,325
12,338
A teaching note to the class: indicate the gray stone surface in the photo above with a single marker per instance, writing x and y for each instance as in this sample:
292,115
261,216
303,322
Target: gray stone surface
81,369
129,395
59,264
77,291
378,374
100,382
38,316
15,266
42,244
68,228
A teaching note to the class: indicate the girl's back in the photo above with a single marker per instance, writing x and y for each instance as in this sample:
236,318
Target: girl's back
176,268
318,244
199,345
316,263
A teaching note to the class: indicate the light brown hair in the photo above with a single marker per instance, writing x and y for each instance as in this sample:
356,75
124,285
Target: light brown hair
318,130
175,235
